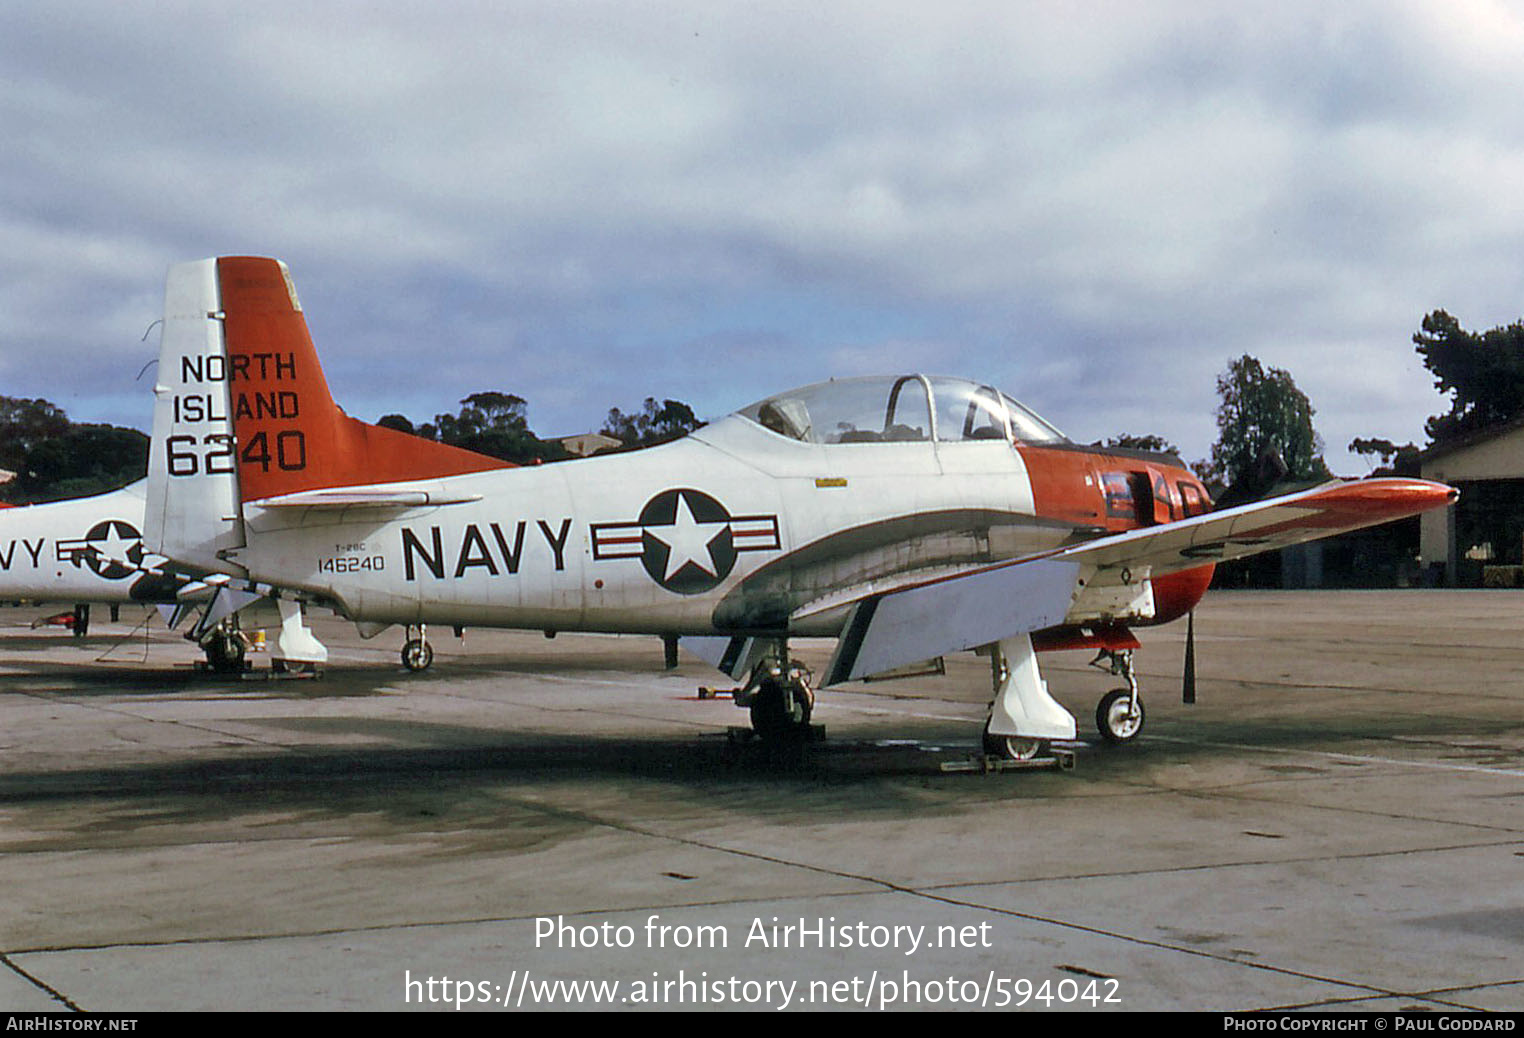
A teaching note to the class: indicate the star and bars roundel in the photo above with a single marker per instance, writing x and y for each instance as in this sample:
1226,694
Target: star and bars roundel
686,540
113,549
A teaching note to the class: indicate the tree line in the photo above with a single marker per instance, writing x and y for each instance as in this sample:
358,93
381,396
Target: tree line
1481,375
55,459
497,424
1263,419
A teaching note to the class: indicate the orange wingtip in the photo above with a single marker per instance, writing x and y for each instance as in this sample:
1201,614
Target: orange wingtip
1388,496
1364,502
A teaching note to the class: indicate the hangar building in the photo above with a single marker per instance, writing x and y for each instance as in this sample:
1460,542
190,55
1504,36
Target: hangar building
1480,541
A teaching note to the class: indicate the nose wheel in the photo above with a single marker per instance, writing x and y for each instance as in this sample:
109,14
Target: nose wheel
1119,715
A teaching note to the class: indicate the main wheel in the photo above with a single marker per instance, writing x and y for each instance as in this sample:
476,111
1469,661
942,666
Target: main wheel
417,654
1117,723
780,712
224,652
1013,747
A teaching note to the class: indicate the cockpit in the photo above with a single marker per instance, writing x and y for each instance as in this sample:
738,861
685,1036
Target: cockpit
899,409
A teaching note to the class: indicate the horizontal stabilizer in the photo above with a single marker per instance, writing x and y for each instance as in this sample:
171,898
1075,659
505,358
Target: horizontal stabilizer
345,499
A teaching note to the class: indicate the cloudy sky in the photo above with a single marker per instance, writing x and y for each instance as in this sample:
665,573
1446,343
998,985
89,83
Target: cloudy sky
1093,205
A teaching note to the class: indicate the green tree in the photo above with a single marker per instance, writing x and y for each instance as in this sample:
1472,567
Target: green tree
1386,456
1150,442
54,458
399,422
495,424
86,459
24,424
654,423
1262,410
1484,373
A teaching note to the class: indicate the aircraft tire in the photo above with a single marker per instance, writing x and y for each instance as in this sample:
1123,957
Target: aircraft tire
1112,720
1013,747
771,718
417,655
224,652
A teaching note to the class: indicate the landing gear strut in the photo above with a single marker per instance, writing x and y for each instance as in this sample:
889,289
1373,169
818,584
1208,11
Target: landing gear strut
296,649
417,653
779,696
1119,717
1023,717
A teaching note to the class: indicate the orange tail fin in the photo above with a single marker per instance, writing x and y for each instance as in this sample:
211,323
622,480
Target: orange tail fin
291,436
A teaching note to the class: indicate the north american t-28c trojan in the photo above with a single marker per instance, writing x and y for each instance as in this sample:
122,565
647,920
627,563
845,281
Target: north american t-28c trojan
906,516
85,551
88,551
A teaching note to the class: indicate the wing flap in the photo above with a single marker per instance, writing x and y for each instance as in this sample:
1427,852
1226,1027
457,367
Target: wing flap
917,623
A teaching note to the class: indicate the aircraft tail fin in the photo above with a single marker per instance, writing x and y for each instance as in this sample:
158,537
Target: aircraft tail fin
191,512
242,413
291,435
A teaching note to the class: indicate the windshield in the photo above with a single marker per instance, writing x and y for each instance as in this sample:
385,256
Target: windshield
899,409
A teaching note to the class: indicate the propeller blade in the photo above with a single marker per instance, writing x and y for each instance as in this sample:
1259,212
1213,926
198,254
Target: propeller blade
1188,684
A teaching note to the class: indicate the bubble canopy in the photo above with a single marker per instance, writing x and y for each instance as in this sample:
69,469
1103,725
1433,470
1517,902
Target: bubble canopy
899,409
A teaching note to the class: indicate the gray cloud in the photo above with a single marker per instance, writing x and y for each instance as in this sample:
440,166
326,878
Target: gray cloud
1095,205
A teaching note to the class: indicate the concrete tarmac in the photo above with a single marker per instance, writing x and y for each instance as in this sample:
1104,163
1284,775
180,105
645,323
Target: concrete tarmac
1337,824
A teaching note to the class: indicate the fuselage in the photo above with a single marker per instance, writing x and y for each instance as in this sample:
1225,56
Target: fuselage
737,528
87,549
84,550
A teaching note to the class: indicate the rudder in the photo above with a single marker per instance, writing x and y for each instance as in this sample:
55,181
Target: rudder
291,435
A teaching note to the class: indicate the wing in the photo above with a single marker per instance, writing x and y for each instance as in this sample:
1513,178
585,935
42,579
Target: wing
1267,525
1084,581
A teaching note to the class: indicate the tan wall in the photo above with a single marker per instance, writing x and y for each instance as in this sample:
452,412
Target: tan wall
1500,458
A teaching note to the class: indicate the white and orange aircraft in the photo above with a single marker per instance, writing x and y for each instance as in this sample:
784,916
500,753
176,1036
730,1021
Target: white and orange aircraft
906,516
89,551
